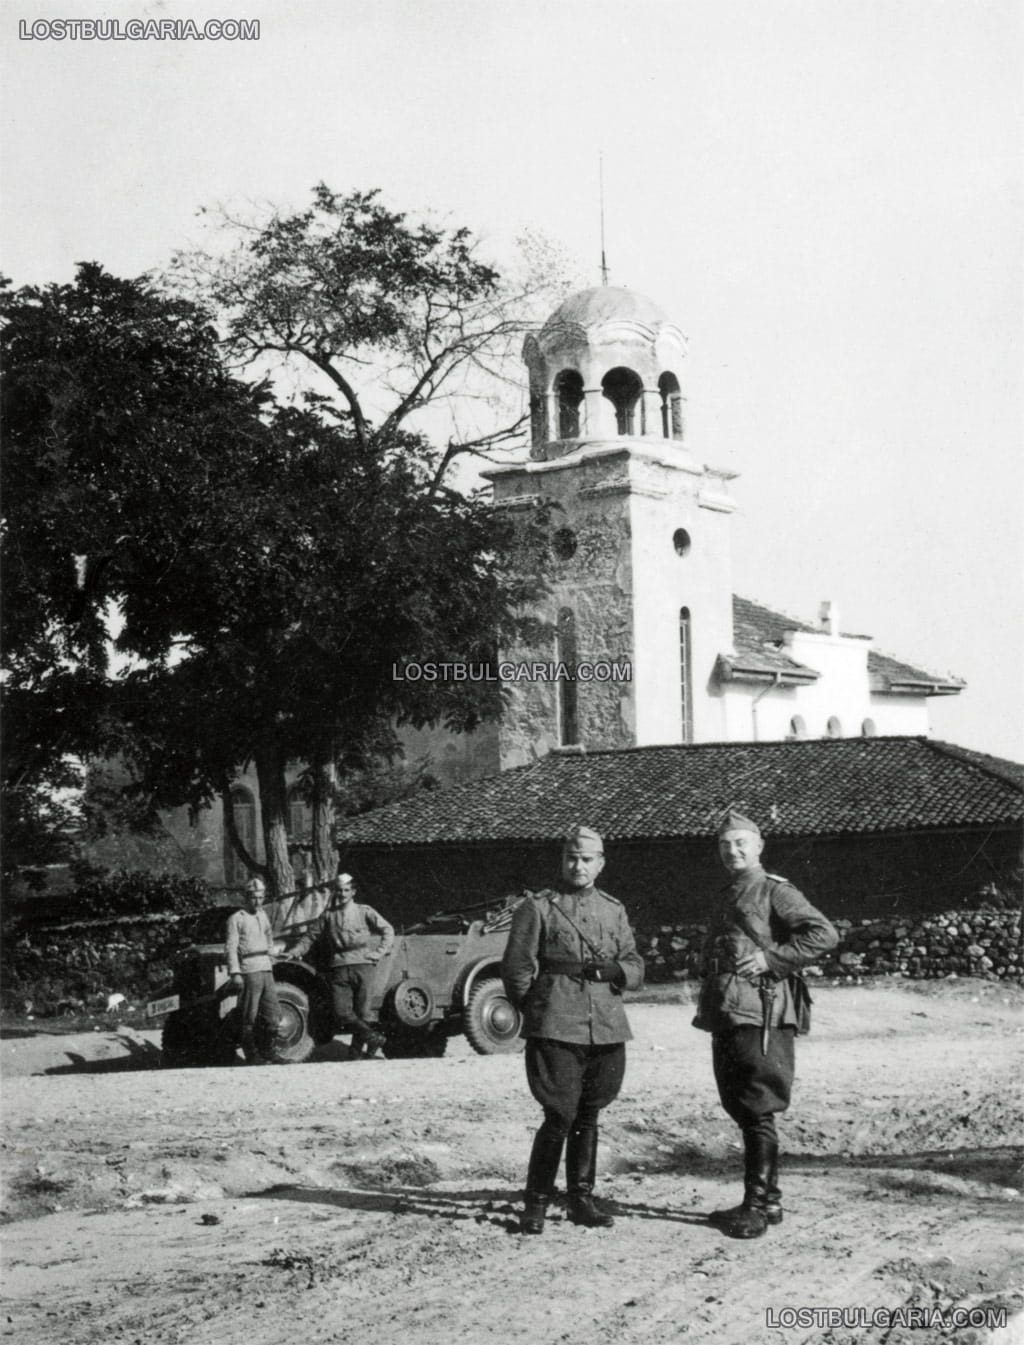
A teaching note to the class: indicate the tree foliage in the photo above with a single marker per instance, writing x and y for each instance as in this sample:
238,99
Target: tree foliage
114,401
390,316
269,565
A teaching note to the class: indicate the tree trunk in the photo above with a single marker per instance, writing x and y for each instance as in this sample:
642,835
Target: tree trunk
325,856
270,768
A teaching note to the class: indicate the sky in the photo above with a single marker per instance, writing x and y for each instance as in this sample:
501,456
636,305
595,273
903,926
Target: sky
825,195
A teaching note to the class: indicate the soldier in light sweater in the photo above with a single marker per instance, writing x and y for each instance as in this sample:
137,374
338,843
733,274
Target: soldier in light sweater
250,946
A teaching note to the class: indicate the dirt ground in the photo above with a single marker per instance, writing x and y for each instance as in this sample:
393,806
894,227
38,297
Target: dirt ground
377,1201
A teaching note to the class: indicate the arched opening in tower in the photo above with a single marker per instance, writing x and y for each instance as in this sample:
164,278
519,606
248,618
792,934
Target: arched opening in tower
672,424
569,393
623,388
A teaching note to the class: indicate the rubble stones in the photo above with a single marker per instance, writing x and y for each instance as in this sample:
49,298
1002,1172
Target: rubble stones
984,943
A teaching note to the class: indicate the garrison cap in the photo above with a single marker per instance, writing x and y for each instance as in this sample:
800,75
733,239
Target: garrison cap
734,820
578,833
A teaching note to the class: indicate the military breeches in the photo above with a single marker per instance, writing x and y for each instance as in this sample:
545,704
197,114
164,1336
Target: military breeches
350,996
752,1085
258,1004
573,1082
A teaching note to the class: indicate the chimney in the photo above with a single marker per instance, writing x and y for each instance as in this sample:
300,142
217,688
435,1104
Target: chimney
828,617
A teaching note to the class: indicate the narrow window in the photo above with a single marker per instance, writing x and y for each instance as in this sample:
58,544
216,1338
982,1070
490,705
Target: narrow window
300,817
671,407
686,673
243,809
798,727
568,723
835,728
569,391
622,387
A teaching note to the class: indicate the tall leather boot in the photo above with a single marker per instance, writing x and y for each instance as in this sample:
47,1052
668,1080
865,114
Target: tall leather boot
773,1199
545,1156
580,1170
749,1219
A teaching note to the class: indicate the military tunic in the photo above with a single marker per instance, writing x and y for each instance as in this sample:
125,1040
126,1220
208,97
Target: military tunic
757,910
555,931
576,1028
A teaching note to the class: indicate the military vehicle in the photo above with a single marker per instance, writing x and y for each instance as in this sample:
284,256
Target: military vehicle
440,979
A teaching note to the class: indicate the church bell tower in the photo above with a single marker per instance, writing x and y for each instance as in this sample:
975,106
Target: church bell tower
640,558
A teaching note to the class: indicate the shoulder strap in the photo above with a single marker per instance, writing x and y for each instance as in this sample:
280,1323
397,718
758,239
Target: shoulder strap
567,917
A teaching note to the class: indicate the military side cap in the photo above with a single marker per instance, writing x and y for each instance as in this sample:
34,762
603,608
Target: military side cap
579,834
734,820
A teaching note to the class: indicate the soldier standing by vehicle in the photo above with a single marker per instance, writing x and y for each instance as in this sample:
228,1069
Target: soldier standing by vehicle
348,930
249,945
754,1003
569,956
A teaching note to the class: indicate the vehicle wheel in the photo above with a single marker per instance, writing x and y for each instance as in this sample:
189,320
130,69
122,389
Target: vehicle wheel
412,1004
416,1045
490,1021
295,1041
190,1040
174,1043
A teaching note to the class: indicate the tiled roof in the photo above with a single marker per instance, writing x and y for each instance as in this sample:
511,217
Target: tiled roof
758,643
759,639
813,787
886,673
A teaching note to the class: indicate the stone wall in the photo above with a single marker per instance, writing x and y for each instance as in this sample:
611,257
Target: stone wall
985,943
69,968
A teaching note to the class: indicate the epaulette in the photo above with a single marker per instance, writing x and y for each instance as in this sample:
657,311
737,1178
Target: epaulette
607,896
777,878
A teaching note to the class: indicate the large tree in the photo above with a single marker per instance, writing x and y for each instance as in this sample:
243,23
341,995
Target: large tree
269,565
390,326
115,402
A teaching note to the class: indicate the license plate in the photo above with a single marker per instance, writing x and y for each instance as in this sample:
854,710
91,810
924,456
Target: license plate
155,1007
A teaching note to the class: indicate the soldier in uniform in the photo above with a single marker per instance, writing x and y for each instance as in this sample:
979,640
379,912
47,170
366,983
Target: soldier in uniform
249,946
570,955
762,932
355,938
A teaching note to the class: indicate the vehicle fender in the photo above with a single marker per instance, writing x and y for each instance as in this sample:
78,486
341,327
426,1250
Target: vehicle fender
481,970
296,972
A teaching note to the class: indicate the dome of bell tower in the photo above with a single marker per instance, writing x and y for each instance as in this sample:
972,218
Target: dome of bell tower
606,303
607,363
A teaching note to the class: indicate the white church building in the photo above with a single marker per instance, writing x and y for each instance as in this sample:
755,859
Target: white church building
642,577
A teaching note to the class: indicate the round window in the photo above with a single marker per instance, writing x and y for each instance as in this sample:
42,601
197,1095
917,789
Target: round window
564,543
681,541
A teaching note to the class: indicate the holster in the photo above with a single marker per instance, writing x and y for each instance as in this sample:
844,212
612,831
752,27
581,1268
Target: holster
766,989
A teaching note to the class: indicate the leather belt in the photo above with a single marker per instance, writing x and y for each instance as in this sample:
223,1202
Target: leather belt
555,968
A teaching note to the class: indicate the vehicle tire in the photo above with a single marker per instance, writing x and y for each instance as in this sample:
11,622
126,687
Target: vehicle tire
295,1040
490,1021
412,1004
190,1040
416,1045
174,1043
